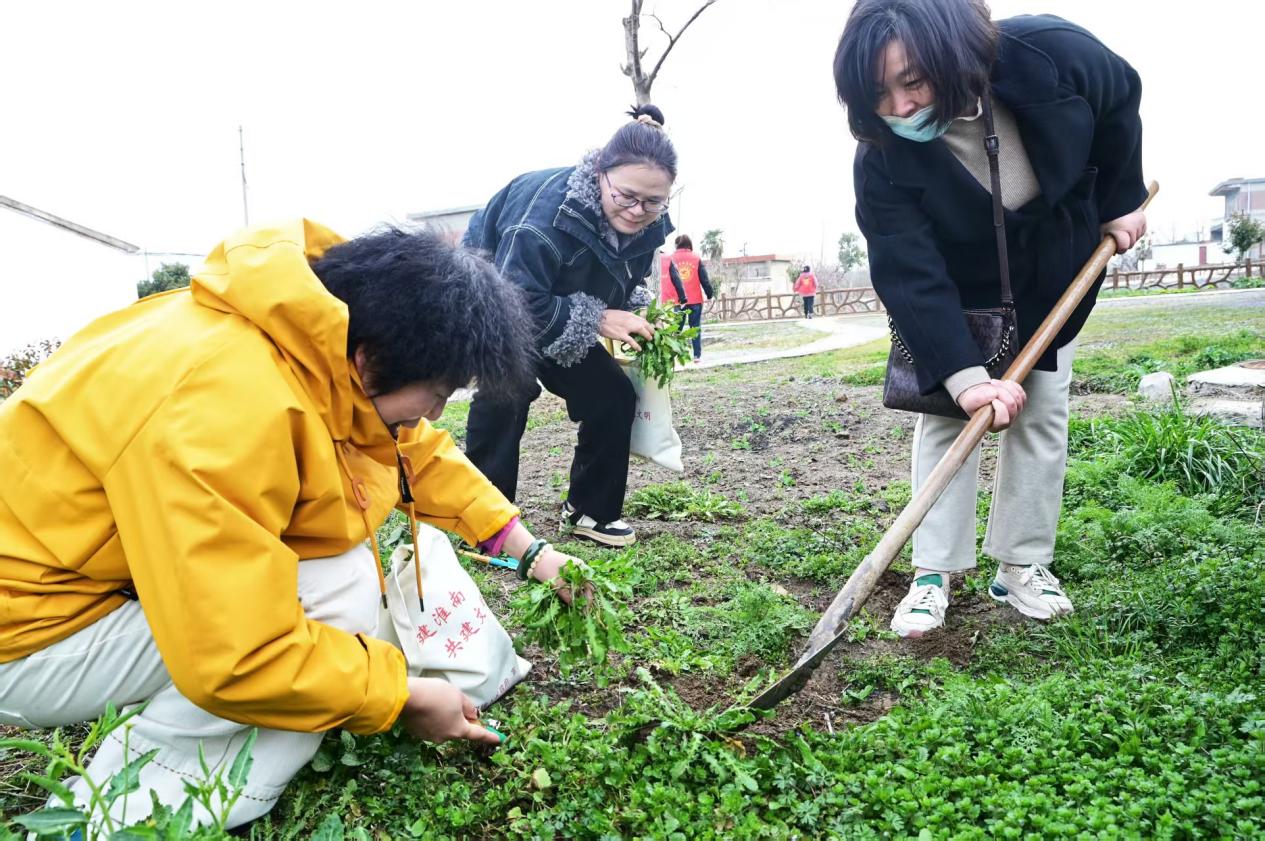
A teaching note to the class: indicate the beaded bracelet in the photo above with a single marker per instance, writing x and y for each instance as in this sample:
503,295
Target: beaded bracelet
529,558
532,569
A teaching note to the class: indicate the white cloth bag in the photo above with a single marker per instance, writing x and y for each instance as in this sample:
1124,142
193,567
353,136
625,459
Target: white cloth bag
653,436
458,638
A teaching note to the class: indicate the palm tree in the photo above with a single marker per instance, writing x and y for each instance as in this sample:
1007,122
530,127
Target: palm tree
713,244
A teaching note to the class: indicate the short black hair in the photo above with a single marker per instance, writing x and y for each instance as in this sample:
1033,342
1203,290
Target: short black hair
950,43
423,309
640,143
683,241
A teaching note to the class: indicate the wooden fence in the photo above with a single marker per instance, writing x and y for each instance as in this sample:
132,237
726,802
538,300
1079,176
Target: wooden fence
862,300
1211,276
770,306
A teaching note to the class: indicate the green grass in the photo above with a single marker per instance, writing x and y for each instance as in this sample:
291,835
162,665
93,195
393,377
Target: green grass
454,418
1142,715
681,501
1120,344
1138,716
457,413
1199,454
858,361
1066,755
752,337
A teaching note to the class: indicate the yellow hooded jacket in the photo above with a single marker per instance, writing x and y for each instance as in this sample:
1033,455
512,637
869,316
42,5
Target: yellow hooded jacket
196,446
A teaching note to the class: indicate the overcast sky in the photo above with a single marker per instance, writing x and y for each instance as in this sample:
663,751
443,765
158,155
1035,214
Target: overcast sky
123,116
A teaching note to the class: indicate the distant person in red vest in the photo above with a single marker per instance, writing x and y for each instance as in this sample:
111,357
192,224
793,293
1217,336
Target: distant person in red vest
690,285
806,286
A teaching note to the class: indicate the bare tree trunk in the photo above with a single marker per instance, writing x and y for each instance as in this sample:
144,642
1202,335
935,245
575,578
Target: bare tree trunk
633,69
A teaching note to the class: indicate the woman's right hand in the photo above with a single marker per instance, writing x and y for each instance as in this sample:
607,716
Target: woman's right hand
1008,400
437,711
621,326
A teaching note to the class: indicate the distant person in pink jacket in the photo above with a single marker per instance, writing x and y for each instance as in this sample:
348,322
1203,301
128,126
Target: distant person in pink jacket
806,286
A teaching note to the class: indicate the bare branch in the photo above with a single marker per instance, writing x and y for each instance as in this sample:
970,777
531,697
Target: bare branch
662,28
672,41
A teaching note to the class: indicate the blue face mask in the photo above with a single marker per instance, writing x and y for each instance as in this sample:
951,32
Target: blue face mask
918,128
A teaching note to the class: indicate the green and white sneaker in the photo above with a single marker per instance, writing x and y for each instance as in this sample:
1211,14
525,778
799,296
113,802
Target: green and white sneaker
923,609
1031,590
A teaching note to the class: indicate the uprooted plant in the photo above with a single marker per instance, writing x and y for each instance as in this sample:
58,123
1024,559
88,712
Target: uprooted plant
670,346
584,632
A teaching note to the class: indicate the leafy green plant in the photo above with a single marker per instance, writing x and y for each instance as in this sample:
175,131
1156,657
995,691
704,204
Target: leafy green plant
836,500
216,792
166,277
15,367
583,633
681,501
872,374
826,555
1200,454
1243,233
1117,368
670,346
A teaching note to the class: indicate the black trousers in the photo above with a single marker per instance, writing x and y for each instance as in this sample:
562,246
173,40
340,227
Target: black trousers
600,398
695,313
808,305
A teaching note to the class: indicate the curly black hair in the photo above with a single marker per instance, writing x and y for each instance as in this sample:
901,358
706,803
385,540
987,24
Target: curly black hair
423,309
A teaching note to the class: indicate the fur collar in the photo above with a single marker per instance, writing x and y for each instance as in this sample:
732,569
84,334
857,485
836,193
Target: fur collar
582,186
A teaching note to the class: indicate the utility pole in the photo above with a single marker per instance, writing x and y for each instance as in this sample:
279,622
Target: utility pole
241,148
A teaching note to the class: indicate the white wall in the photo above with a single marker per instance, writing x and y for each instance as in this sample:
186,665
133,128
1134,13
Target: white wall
53,282
1186,253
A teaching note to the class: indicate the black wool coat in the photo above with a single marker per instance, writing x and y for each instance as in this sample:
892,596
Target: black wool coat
928,222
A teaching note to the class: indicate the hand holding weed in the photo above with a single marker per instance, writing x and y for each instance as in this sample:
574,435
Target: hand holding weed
586,631
621,326
549,569
669,346
437,711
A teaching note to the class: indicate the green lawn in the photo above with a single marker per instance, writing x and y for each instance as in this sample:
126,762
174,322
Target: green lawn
1140,716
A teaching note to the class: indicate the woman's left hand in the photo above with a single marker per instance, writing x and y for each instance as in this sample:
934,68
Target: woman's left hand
1127,230
548,569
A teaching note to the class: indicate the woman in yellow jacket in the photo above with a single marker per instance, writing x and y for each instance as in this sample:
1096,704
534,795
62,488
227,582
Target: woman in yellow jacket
187,484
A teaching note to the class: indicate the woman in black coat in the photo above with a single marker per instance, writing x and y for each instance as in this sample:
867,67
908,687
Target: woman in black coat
579,241
912,74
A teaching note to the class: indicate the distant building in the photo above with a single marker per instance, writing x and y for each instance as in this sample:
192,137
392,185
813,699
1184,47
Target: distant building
57,275
452,222
754,275
1188,252
1242,195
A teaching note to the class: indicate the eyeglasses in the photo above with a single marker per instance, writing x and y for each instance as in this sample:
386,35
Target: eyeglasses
648,205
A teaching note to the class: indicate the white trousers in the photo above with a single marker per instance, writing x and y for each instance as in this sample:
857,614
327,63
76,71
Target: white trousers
1027,487
115,659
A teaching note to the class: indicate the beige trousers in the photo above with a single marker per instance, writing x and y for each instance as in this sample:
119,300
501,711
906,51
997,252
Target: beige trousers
115,659
1027,488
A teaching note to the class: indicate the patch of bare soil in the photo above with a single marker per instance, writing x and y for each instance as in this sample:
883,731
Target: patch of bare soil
772,444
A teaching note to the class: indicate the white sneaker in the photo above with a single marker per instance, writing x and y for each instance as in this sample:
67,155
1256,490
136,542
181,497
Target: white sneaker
923,609
614,533
1031,590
